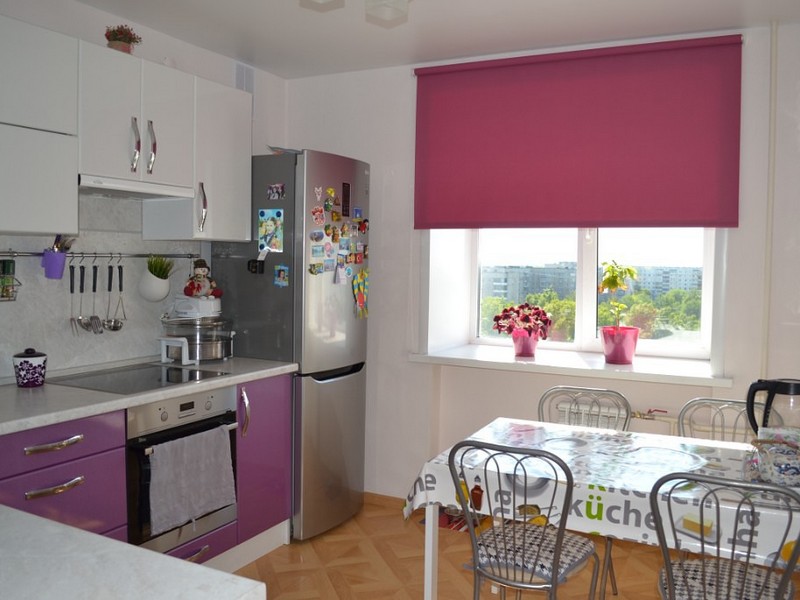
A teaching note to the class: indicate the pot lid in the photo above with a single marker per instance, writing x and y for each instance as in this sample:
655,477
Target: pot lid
30,353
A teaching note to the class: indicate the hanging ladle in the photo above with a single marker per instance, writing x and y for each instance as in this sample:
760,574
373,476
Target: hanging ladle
111,324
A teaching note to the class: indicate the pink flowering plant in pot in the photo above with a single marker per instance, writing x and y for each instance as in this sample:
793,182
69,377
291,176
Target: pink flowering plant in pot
526,324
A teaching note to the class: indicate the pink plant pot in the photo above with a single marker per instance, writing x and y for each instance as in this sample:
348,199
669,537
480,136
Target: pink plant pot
524,344
619,344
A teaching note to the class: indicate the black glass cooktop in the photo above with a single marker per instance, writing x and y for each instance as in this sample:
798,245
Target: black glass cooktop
134,379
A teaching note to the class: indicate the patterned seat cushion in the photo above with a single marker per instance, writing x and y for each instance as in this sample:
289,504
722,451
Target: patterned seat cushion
744,585
530,548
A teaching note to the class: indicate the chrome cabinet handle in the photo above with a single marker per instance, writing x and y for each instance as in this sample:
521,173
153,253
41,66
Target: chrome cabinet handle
55,446
56,489
137,144
204,205
246,401
152,133
199,554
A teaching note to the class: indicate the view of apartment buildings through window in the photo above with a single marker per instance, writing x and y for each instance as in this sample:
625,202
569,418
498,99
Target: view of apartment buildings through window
665,300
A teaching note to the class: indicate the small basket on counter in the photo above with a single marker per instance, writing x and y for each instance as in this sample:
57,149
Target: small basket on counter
778,461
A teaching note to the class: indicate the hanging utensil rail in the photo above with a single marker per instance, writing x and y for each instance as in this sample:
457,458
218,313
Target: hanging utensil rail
110,255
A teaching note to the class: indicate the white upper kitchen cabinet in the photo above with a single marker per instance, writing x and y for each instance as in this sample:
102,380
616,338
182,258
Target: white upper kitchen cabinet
38,78
220,209
38,128
136,119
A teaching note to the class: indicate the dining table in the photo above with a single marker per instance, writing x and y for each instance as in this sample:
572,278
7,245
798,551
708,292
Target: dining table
613,475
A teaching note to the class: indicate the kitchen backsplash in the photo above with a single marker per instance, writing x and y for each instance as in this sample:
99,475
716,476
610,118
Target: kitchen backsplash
39,317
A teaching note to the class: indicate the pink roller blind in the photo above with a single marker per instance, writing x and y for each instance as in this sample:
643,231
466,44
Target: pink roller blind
642,135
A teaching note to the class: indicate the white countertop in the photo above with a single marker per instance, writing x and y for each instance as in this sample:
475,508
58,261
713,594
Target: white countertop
27,408
41,559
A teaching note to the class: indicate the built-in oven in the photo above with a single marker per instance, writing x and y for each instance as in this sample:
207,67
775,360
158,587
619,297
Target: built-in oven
181,457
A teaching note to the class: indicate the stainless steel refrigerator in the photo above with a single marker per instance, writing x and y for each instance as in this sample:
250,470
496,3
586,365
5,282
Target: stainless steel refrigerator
299,293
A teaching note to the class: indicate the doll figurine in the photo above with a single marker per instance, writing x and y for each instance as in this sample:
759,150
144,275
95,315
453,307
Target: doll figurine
201,284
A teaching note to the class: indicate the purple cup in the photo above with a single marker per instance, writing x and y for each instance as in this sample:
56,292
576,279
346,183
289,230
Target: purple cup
53,263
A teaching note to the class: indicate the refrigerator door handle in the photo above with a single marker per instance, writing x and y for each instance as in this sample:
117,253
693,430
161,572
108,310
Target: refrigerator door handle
246,402
334,374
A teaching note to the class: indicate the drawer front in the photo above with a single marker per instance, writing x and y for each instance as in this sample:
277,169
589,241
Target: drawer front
98,504
55,444
208,546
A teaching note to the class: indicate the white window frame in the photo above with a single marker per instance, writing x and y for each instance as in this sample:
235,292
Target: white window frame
586,299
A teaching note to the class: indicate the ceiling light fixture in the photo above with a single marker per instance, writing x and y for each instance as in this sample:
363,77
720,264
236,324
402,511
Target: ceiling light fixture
322,5
387,12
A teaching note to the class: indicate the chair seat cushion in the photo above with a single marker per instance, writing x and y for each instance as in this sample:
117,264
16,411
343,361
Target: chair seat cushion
531,548
744,582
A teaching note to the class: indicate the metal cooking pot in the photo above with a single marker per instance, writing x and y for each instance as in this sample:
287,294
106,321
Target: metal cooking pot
207,338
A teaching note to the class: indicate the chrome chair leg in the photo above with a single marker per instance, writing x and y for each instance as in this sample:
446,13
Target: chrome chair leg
608,570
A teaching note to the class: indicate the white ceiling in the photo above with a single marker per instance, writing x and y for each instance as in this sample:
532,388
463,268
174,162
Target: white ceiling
288,39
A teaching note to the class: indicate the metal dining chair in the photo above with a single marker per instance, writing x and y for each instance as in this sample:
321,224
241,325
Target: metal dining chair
703,521
719,419
590,407
515,502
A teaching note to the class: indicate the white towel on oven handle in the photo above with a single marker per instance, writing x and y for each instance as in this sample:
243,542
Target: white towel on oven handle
190,477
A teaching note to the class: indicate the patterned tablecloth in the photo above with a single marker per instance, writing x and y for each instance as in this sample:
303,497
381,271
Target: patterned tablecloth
613,472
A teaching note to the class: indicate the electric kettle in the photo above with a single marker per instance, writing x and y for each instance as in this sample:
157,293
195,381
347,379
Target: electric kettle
779,395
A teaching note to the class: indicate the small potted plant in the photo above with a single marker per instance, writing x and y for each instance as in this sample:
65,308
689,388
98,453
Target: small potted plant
122,38
154,284
526,324
619,341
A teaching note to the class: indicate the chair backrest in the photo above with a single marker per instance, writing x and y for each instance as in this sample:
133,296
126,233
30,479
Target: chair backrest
528,489
715,519
591,407
719,419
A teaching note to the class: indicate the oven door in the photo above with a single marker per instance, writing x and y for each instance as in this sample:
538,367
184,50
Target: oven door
138,452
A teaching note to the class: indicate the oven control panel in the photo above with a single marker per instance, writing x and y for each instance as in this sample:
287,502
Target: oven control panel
172,412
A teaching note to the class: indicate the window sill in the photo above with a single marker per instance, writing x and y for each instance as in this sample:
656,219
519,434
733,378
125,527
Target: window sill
678,371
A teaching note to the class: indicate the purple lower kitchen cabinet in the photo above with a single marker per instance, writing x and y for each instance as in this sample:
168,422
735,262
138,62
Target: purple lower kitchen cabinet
208,546
92,498
71,472
263,455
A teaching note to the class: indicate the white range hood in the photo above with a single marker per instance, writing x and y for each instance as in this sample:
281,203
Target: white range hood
113,187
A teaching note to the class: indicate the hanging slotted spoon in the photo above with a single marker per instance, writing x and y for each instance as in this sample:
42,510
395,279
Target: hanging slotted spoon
83,321
97,325
73,322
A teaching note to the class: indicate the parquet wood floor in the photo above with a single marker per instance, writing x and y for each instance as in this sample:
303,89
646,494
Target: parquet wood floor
378,554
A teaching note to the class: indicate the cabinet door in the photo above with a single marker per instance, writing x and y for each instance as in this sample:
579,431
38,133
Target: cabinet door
39,75
223,157
220,209
88,493
167,125
38,175
264,455
110,96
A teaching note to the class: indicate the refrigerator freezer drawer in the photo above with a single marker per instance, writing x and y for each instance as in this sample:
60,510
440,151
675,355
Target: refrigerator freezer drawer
329,420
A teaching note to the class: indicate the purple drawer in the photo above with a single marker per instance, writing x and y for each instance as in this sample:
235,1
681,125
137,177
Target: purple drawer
100,433
208,546
98,504
120,534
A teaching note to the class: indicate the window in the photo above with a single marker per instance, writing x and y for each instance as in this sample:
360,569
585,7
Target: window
671,299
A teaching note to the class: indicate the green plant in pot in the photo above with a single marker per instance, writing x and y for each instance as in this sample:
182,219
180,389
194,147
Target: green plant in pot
619,341
154,284
160,266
